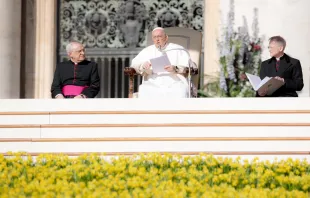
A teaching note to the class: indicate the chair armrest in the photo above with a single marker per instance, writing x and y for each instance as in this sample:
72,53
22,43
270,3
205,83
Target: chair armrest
129,71
194,71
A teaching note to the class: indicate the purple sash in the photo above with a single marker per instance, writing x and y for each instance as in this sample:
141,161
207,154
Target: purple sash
72,90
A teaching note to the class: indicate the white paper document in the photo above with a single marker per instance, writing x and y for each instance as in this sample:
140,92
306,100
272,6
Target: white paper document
268,82
159,63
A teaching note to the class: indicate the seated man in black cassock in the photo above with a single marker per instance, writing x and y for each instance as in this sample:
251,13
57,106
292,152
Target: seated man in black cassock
76,78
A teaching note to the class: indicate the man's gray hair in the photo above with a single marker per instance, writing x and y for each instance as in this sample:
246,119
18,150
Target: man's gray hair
279,40
71,45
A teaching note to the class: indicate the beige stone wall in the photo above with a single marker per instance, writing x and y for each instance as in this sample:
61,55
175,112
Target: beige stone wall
10,39
38,49
45,48
211,32
18,44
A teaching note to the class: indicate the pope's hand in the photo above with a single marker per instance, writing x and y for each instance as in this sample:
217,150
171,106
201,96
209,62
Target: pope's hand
169,68
146,65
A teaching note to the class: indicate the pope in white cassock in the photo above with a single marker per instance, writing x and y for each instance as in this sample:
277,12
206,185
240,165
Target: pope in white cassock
168,84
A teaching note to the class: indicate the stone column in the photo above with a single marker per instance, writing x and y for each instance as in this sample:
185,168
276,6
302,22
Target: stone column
45,56
10,39
211,32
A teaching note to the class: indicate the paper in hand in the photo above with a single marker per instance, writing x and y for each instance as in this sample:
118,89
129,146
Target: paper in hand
159,63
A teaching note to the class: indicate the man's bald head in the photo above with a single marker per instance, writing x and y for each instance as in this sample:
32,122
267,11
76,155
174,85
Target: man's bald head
159,29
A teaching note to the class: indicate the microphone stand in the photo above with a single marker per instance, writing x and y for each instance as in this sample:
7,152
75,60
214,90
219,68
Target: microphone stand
189,77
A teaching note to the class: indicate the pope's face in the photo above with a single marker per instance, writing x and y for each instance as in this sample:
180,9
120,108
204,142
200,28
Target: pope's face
159,38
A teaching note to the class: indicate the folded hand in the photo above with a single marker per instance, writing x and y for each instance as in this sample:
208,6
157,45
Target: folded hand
60,96
78,97
263,92
146,65
279,78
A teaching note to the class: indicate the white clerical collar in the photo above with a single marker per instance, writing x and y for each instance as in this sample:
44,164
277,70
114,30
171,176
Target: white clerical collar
279,57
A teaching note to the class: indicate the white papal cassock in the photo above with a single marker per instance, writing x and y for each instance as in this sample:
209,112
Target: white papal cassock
164,84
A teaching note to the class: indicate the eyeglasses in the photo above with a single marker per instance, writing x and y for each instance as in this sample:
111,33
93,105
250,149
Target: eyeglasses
159,36
79,51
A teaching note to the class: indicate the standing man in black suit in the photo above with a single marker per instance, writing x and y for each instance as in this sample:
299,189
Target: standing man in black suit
282,67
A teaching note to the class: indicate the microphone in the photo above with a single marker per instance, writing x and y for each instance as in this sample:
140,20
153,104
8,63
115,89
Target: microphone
160,48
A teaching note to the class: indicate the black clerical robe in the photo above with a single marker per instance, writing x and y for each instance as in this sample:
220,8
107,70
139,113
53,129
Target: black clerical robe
84,73
289,69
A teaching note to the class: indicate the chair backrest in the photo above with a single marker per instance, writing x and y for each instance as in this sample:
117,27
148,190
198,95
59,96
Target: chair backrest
188,38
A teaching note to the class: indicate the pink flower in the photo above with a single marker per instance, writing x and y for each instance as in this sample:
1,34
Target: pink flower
256,47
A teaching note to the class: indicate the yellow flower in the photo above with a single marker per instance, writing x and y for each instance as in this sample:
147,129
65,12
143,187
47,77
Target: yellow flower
151,175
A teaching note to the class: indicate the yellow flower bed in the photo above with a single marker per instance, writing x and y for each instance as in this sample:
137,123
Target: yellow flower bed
151,175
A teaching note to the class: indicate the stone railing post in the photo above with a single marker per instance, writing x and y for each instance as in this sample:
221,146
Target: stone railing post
45,52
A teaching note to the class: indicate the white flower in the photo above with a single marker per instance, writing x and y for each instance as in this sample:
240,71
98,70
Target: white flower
232,60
